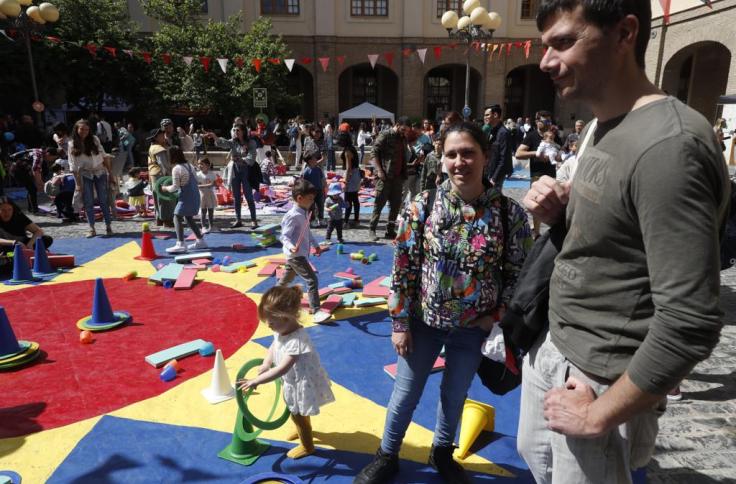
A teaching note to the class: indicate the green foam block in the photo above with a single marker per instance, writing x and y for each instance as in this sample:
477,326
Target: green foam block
370,301
169,272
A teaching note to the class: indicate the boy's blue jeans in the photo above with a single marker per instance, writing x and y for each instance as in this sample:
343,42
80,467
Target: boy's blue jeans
462,357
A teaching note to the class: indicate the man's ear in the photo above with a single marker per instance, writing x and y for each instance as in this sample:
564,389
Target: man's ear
628,31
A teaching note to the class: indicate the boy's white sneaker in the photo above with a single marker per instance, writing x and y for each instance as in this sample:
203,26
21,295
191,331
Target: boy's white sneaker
179,248
199,244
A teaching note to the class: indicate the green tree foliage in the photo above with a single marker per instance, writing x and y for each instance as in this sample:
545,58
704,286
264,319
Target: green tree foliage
87,79
184,32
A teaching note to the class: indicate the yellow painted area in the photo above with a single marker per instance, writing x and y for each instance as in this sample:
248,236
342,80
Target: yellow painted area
352,423
36,456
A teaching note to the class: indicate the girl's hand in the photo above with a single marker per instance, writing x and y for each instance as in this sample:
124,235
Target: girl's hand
244,385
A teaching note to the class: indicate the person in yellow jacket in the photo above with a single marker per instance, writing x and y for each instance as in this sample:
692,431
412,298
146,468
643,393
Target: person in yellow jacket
160,166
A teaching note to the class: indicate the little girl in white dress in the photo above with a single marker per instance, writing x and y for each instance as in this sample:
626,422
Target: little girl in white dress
292,356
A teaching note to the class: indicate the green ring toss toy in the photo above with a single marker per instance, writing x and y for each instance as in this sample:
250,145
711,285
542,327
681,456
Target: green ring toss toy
166,196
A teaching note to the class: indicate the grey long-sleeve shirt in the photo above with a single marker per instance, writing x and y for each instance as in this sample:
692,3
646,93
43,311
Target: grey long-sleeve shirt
636,285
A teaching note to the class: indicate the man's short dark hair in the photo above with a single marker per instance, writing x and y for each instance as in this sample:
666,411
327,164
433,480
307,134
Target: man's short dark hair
604,14
495,108
302,188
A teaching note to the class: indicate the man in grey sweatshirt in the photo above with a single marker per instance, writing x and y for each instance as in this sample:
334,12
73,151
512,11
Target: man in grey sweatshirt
635,290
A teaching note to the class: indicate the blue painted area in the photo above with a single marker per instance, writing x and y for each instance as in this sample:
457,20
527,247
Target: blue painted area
331,262
119,450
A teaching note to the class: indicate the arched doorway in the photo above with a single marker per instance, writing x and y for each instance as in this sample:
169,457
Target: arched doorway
697,75
528,90
300,87
444,90
361,83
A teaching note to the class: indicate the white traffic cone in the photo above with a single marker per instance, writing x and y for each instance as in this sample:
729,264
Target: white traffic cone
220,389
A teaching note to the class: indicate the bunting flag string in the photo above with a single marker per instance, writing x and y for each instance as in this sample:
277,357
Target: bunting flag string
666,10
258,64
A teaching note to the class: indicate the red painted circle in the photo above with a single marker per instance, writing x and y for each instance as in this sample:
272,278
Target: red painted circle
76,381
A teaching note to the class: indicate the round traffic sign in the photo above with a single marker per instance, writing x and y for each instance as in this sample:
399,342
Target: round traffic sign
466,111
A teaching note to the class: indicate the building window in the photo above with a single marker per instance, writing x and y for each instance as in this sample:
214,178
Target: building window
369,8
438,96
280,7
445,5
205,8
529,9
365,88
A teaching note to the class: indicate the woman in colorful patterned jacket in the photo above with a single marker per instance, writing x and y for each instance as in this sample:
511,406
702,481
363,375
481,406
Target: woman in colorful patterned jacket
454,272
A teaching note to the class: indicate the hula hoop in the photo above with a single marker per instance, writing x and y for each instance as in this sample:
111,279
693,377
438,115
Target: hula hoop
241,399
163,195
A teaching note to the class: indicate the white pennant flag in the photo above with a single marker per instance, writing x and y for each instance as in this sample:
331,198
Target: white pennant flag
188,60
223,64
422,53
373,58
289,64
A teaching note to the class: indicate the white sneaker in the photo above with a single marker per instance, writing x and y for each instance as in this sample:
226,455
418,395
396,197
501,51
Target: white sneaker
179,248
205,230
199,244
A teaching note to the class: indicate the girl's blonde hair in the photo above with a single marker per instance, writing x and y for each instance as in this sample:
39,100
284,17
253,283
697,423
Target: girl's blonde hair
281,302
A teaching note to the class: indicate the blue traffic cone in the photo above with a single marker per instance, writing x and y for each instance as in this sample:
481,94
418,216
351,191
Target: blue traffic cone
21,272
101,309
40,259
8,341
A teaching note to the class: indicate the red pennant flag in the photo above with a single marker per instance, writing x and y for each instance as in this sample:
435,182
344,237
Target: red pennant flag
111,50
147,57
389,58
508,49
666,9
325,61
35,38
407,52
239,61
166,58
274,60
518,44
437,52
306,60
340,59
53,39
527,48
257,64
205,62
92,49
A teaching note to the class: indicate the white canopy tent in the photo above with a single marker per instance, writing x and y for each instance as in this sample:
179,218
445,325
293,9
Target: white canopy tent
366,111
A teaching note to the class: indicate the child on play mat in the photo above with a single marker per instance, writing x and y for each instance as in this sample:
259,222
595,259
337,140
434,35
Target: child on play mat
292,357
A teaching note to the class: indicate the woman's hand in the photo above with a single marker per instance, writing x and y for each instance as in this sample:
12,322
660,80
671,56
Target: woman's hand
402,342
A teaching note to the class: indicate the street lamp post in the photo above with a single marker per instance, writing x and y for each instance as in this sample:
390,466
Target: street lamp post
25,17
477,25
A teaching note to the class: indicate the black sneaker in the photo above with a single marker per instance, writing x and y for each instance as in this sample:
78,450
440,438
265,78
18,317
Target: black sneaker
380,471
391,235
440,458
236,224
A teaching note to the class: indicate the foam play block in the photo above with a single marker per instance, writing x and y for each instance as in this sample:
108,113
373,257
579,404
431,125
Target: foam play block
267,229
186,278
169,272
341,290
280,273
305,303
336,285
230,268
280,261
191,237
439,365
179,351
58,261
202,262
161,235
196,255
376,291
348,276
370,301
324,292
348,299
386,282
268,270
196,267
331,304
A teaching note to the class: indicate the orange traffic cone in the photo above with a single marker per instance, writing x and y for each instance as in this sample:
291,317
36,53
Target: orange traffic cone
476,417
147,250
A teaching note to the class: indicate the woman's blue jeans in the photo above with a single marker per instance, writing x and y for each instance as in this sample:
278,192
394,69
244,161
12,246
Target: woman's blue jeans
462,357
89,185
240,179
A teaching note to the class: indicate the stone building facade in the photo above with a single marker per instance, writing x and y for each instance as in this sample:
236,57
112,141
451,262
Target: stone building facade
691,57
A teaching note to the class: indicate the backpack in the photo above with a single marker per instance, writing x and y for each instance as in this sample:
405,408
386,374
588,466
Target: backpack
499,378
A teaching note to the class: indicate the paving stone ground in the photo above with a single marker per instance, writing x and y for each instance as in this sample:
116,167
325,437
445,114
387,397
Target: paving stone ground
697,438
